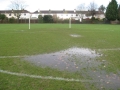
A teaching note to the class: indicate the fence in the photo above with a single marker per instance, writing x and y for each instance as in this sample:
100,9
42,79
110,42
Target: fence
84,21
11,20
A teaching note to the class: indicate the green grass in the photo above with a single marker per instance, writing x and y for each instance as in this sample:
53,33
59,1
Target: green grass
17,39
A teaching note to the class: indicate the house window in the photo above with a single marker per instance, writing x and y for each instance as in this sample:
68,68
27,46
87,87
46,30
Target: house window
10,14
76,14
14,14
24,14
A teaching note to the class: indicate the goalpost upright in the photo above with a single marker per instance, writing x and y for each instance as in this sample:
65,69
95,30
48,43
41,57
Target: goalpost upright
29,20
70,22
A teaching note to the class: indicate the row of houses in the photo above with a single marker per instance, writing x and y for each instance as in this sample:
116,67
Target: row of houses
61,14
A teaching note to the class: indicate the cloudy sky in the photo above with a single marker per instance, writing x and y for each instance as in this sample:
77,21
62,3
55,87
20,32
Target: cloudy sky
33,5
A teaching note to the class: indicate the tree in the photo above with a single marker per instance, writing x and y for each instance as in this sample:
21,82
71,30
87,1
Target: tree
2,17
40,18
102,8
119,12
47,19
17,7
55,18
92,9
81,8
112,11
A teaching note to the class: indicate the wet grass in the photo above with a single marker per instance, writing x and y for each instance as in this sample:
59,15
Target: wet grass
10,82
17,39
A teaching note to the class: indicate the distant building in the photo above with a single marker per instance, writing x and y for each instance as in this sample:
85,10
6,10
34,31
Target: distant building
24,14
66,14
61,14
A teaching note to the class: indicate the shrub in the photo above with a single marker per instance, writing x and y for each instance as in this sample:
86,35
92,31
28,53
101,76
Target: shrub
47,19
12,20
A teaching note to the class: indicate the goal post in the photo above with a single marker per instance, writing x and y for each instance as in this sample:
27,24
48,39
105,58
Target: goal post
29,20
70,22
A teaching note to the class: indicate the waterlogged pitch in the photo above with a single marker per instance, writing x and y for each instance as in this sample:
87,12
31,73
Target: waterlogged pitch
56,57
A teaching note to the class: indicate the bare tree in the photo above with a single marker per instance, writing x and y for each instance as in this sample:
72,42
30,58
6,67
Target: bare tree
81,9
17,7
102,8
92,8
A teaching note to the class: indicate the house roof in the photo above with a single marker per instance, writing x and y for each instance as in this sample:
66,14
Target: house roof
14,11
50,11
64,11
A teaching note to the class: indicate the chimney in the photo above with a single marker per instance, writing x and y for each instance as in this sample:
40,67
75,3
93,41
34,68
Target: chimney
74,10
49,10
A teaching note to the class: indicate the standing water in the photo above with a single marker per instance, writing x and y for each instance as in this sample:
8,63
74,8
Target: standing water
81,60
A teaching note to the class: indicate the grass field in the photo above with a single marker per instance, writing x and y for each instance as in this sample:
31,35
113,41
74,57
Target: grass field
18,40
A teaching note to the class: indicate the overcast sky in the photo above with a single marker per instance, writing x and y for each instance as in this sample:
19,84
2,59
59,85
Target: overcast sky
33,5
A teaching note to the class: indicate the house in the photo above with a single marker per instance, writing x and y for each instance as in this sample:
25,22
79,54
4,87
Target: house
66,14
24,14
100,15
61,14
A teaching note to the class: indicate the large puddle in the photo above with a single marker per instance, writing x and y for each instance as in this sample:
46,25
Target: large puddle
81,60
73,59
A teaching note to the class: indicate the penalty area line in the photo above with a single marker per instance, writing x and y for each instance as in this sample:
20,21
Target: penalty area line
45,77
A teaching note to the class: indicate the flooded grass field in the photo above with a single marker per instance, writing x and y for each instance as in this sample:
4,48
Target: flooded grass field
72,59
81,60
54,57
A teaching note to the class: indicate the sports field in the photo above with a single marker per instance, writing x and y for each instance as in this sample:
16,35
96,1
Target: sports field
43,57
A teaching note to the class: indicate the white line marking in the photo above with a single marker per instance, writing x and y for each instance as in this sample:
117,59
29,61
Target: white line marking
112,49
46,77
12,56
